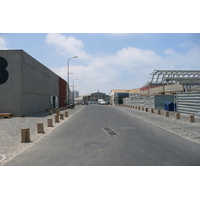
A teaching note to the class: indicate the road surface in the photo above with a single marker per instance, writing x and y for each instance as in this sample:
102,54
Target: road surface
102,135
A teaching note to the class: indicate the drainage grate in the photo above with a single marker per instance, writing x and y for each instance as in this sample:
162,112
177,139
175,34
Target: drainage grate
109,130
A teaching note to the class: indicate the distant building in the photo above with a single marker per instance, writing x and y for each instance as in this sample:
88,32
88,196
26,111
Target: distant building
93,97
75,94
117,95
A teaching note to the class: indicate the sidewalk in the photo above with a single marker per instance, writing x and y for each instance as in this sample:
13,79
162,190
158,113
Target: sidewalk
180,126
10,131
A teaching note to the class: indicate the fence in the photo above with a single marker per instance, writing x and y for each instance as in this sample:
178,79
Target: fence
152,101
188,103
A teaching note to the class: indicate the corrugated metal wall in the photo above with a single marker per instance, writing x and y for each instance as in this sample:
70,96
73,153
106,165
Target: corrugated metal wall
153,101
188,103
160,100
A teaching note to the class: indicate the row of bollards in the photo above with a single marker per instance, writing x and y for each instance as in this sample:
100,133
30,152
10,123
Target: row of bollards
25,133
191,118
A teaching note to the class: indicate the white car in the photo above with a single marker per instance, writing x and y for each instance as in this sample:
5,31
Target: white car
101,102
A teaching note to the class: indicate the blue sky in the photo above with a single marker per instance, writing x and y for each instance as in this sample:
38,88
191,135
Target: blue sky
108,61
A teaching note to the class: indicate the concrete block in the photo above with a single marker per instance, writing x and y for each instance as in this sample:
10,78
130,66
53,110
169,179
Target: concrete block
61,116
66,113
146,109
49,123
25,135
142,108
57,118
152,110
50,112
177,115
138,107
40,128
166,113
191,118
158,112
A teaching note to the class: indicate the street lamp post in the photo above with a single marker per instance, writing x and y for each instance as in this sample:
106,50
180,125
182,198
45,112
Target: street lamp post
73,89
68,78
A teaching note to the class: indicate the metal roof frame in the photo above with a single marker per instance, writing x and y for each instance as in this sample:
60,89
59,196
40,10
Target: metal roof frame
167,77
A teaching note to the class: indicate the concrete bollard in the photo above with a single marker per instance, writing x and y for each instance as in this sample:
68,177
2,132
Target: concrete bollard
177,115
138,107
54,110
49,123
50,112
146,109
56,118
191,118
166,113
25,135
158,112
58,111
142,108
66,113
152,110
135,107
61,116
40,128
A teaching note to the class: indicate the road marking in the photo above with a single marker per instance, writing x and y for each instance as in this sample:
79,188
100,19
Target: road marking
3,157
109,131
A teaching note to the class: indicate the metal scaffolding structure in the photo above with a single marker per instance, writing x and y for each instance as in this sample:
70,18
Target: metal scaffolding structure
167,77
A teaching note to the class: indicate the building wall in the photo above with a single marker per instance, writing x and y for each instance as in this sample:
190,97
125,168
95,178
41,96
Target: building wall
10,91
117,95
29,87
62,92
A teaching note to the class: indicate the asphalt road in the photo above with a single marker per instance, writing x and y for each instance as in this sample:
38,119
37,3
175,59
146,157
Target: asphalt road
105,136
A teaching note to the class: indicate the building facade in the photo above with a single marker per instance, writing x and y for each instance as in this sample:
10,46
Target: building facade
95,96
27,86
117,96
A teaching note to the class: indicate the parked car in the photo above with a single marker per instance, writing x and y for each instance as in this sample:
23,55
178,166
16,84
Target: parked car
101,102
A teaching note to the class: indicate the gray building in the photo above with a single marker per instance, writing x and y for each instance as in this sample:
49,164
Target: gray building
27,86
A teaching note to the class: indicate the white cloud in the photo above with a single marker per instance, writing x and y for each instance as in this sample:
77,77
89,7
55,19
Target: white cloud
3,43
169,51
188,61
129,67
67,46
135,58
